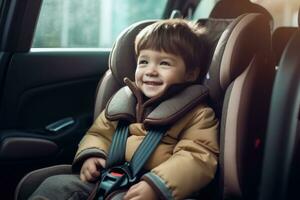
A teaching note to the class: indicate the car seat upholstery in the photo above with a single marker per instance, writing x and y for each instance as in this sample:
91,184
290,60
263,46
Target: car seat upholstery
234,61
33,179
240,82
281,164
122,64
233,8
280,38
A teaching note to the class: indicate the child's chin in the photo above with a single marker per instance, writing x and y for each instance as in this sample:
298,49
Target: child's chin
151,94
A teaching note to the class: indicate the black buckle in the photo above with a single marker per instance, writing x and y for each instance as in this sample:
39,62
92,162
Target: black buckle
115,178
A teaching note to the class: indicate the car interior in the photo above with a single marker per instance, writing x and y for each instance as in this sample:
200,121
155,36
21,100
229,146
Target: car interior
283,133
49,98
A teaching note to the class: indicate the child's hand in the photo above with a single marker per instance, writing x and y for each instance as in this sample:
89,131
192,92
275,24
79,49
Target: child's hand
141,190
90,169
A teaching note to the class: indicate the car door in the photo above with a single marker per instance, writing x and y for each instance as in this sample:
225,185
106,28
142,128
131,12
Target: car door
52,55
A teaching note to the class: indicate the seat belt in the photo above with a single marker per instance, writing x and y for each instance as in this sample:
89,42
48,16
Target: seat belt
119,174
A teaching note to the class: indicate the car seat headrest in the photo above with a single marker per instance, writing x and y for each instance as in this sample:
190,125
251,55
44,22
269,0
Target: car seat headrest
232,49
234,8
122,60
280,38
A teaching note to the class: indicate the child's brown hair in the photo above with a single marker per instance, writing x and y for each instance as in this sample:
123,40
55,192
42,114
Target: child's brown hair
178,37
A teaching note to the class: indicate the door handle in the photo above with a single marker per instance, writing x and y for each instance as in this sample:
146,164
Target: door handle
60,124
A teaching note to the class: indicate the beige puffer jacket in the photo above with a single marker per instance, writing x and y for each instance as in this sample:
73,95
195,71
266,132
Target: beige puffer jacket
185,160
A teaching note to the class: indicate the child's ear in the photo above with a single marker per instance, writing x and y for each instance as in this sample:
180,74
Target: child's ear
192,75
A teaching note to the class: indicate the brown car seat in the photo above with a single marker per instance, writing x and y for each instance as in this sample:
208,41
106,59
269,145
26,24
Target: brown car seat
233,8
281,175
280,38
239,80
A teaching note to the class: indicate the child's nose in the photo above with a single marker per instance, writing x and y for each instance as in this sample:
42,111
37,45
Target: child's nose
152,71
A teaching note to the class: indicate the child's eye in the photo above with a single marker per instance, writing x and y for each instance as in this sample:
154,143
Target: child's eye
142,62
165,63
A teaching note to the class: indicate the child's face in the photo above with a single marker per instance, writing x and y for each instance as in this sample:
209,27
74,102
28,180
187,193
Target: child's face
157,70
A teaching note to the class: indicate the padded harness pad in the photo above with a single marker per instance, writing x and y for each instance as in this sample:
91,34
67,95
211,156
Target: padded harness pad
123,106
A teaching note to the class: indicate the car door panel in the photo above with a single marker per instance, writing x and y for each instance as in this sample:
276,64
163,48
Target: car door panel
39,89
50,86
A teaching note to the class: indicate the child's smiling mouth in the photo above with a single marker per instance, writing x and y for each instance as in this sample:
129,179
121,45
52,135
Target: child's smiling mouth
153,83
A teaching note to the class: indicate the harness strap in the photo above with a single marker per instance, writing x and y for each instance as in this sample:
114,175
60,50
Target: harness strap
118,173
145,150
116,155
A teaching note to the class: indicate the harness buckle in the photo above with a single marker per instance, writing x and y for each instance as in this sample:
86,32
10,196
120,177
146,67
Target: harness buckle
118,177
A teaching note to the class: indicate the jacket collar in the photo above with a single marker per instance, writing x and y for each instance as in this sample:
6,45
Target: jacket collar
130,104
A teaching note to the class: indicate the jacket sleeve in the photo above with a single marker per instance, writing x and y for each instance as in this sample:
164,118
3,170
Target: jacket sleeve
194,161
96,141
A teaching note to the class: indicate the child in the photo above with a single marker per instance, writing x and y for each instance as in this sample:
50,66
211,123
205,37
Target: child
170,57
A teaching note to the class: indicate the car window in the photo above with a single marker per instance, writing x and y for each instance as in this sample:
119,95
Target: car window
89,23
203,9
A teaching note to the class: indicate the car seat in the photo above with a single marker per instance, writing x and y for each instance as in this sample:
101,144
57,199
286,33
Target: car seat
234,8
280,38
234,78
240,82
281,164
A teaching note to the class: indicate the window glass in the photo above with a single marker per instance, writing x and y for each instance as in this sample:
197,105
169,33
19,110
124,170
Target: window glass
90,23
204,8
